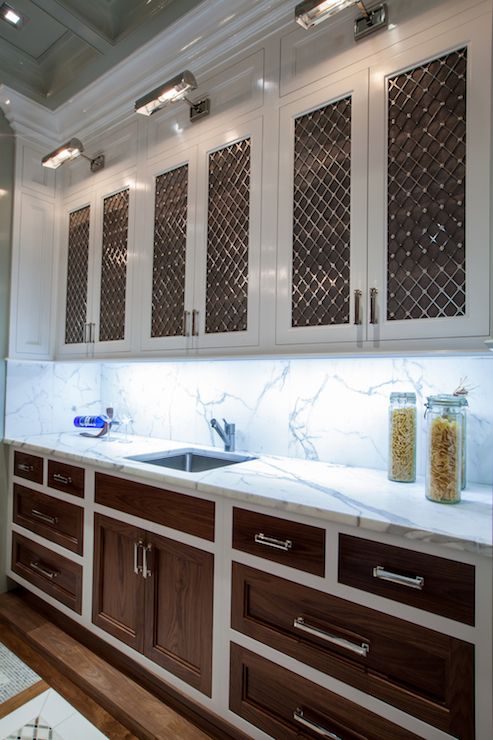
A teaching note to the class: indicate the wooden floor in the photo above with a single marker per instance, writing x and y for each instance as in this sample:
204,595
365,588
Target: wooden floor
86,681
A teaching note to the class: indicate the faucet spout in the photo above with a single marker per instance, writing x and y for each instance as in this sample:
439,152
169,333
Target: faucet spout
227,434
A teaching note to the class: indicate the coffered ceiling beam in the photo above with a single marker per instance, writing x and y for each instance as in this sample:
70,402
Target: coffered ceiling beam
76,25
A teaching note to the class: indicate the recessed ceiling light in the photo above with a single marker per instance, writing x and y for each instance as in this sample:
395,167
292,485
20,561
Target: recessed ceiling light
12,16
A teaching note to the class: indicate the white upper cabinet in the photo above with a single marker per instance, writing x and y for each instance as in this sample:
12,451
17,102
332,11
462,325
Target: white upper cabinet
384,200
321,277
429,188
97,269
201,278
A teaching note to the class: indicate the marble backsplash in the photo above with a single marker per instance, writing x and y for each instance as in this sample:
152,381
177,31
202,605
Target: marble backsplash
330,409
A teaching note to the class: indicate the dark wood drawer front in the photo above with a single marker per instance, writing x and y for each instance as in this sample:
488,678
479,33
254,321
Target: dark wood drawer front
287,706
67,478
297,545
52,573
49,517
29,467
447,587
184,513
418,670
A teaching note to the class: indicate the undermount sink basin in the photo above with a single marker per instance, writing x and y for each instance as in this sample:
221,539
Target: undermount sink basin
190,460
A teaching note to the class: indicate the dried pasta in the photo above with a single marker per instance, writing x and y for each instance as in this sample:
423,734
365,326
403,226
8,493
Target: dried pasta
402,451
444,460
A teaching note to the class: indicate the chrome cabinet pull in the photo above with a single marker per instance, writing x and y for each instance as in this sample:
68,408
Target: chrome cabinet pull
25,468
92,333
44,517
137,565
299,716
362,649
387,575
87,336
262,539
60,478
146,571
357,306
186,317
373,306
195,323
43,571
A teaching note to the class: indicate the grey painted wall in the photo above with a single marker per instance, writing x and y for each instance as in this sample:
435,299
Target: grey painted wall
6,196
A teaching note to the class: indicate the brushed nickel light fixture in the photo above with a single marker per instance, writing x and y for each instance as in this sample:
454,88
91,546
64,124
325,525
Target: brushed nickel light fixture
71,150
171,91
312,12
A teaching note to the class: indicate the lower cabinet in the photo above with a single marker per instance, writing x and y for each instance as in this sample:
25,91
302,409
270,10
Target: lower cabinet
156,595
423,672
287,706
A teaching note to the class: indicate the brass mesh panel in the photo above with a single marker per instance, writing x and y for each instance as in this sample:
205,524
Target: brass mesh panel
170,243
321,216
227,239
77,273
114,267
426,190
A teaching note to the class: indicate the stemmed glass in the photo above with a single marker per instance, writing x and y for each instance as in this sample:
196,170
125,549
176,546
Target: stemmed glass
125,420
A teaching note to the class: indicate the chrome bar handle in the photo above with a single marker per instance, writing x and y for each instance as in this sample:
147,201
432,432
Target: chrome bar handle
60,478
146,572
299,716
92,333
387,575
362,649
46,572
373,306
46,518
185,329
86,338
357,307
25,468
263,539
137,565
195,323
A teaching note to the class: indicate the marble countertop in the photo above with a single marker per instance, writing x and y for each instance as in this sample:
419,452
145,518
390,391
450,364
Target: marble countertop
360,497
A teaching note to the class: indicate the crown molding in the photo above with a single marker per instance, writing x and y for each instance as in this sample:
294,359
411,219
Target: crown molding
28,119
196,41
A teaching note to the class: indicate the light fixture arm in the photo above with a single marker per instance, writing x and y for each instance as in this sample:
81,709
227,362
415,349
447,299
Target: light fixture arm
96,163
362,8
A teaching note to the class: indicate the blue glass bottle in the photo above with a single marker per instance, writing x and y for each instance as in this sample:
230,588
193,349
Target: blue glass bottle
90,422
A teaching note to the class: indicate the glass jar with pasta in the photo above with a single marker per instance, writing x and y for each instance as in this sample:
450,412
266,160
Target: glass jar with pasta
402,437
445,424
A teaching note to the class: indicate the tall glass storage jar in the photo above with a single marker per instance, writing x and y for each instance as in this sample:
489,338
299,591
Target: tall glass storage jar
445,425
402,437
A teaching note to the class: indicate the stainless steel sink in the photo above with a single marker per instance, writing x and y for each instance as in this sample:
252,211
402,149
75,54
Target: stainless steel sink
191,460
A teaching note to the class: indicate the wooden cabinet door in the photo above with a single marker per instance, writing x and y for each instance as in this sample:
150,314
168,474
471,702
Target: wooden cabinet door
178,608
118,586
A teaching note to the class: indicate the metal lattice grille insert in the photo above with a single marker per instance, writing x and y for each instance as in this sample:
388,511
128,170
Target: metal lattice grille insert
114,267
77,274
170,244
321,216
426,190
228,226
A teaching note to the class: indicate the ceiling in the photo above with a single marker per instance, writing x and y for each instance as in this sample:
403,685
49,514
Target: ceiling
67,44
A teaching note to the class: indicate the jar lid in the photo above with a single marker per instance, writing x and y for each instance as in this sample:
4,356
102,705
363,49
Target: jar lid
402,396
445,399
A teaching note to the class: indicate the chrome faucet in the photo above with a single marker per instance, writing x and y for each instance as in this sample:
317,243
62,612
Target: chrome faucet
227,434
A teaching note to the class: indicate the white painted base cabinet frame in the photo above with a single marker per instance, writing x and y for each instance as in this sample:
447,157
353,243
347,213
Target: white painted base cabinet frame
224,555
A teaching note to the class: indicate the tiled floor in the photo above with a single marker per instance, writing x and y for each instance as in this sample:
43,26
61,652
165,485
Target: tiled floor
47,717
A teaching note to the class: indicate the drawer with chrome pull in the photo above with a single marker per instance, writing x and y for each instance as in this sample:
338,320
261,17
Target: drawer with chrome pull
57,576
67,478
418,670
428,582
28,466
49,517
288,706
298,545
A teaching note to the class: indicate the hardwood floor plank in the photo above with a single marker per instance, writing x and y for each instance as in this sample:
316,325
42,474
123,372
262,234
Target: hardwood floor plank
22,697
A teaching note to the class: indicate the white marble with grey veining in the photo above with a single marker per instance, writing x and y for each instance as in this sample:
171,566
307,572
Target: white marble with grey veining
359,497
330,409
